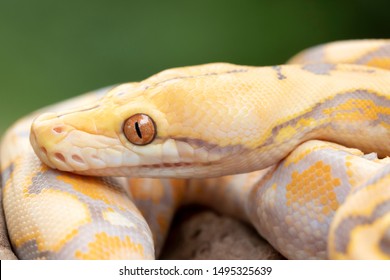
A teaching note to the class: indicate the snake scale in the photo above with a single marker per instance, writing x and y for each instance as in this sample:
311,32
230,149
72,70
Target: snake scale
298,150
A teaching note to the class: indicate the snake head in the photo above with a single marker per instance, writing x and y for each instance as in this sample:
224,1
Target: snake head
183,122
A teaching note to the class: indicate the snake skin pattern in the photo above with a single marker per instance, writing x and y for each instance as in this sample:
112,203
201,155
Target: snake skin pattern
299,151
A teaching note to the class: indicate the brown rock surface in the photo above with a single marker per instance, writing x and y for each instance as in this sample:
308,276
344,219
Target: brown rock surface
202,234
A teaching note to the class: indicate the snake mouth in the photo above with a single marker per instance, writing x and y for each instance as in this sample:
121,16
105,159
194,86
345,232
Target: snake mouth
64,147
182,170
88,154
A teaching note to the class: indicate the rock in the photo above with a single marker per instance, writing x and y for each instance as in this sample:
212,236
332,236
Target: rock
201,234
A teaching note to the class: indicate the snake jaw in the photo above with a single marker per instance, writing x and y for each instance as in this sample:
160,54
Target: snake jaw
62,146
69,149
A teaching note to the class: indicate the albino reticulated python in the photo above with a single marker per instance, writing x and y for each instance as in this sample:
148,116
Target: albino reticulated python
308,141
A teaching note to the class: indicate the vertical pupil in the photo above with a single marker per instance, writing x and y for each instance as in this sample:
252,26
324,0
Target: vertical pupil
138,130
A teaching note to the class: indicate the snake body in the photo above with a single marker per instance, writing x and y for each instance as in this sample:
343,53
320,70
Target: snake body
298,150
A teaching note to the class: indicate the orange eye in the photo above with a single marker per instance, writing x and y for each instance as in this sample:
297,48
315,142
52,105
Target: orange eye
139,129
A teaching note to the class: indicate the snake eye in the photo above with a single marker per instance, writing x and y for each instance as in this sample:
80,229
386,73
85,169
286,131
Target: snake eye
139,129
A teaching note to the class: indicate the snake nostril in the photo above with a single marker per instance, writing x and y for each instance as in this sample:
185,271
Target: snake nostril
60,157
58,129
77,158
44,151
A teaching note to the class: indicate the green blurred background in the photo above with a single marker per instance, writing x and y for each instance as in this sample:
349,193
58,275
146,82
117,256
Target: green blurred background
52,50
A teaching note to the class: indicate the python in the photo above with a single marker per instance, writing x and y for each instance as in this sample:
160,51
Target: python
298,150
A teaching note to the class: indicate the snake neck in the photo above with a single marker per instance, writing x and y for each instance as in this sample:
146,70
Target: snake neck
343,119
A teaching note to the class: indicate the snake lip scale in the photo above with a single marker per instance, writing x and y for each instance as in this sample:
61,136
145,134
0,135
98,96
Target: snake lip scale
299,150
